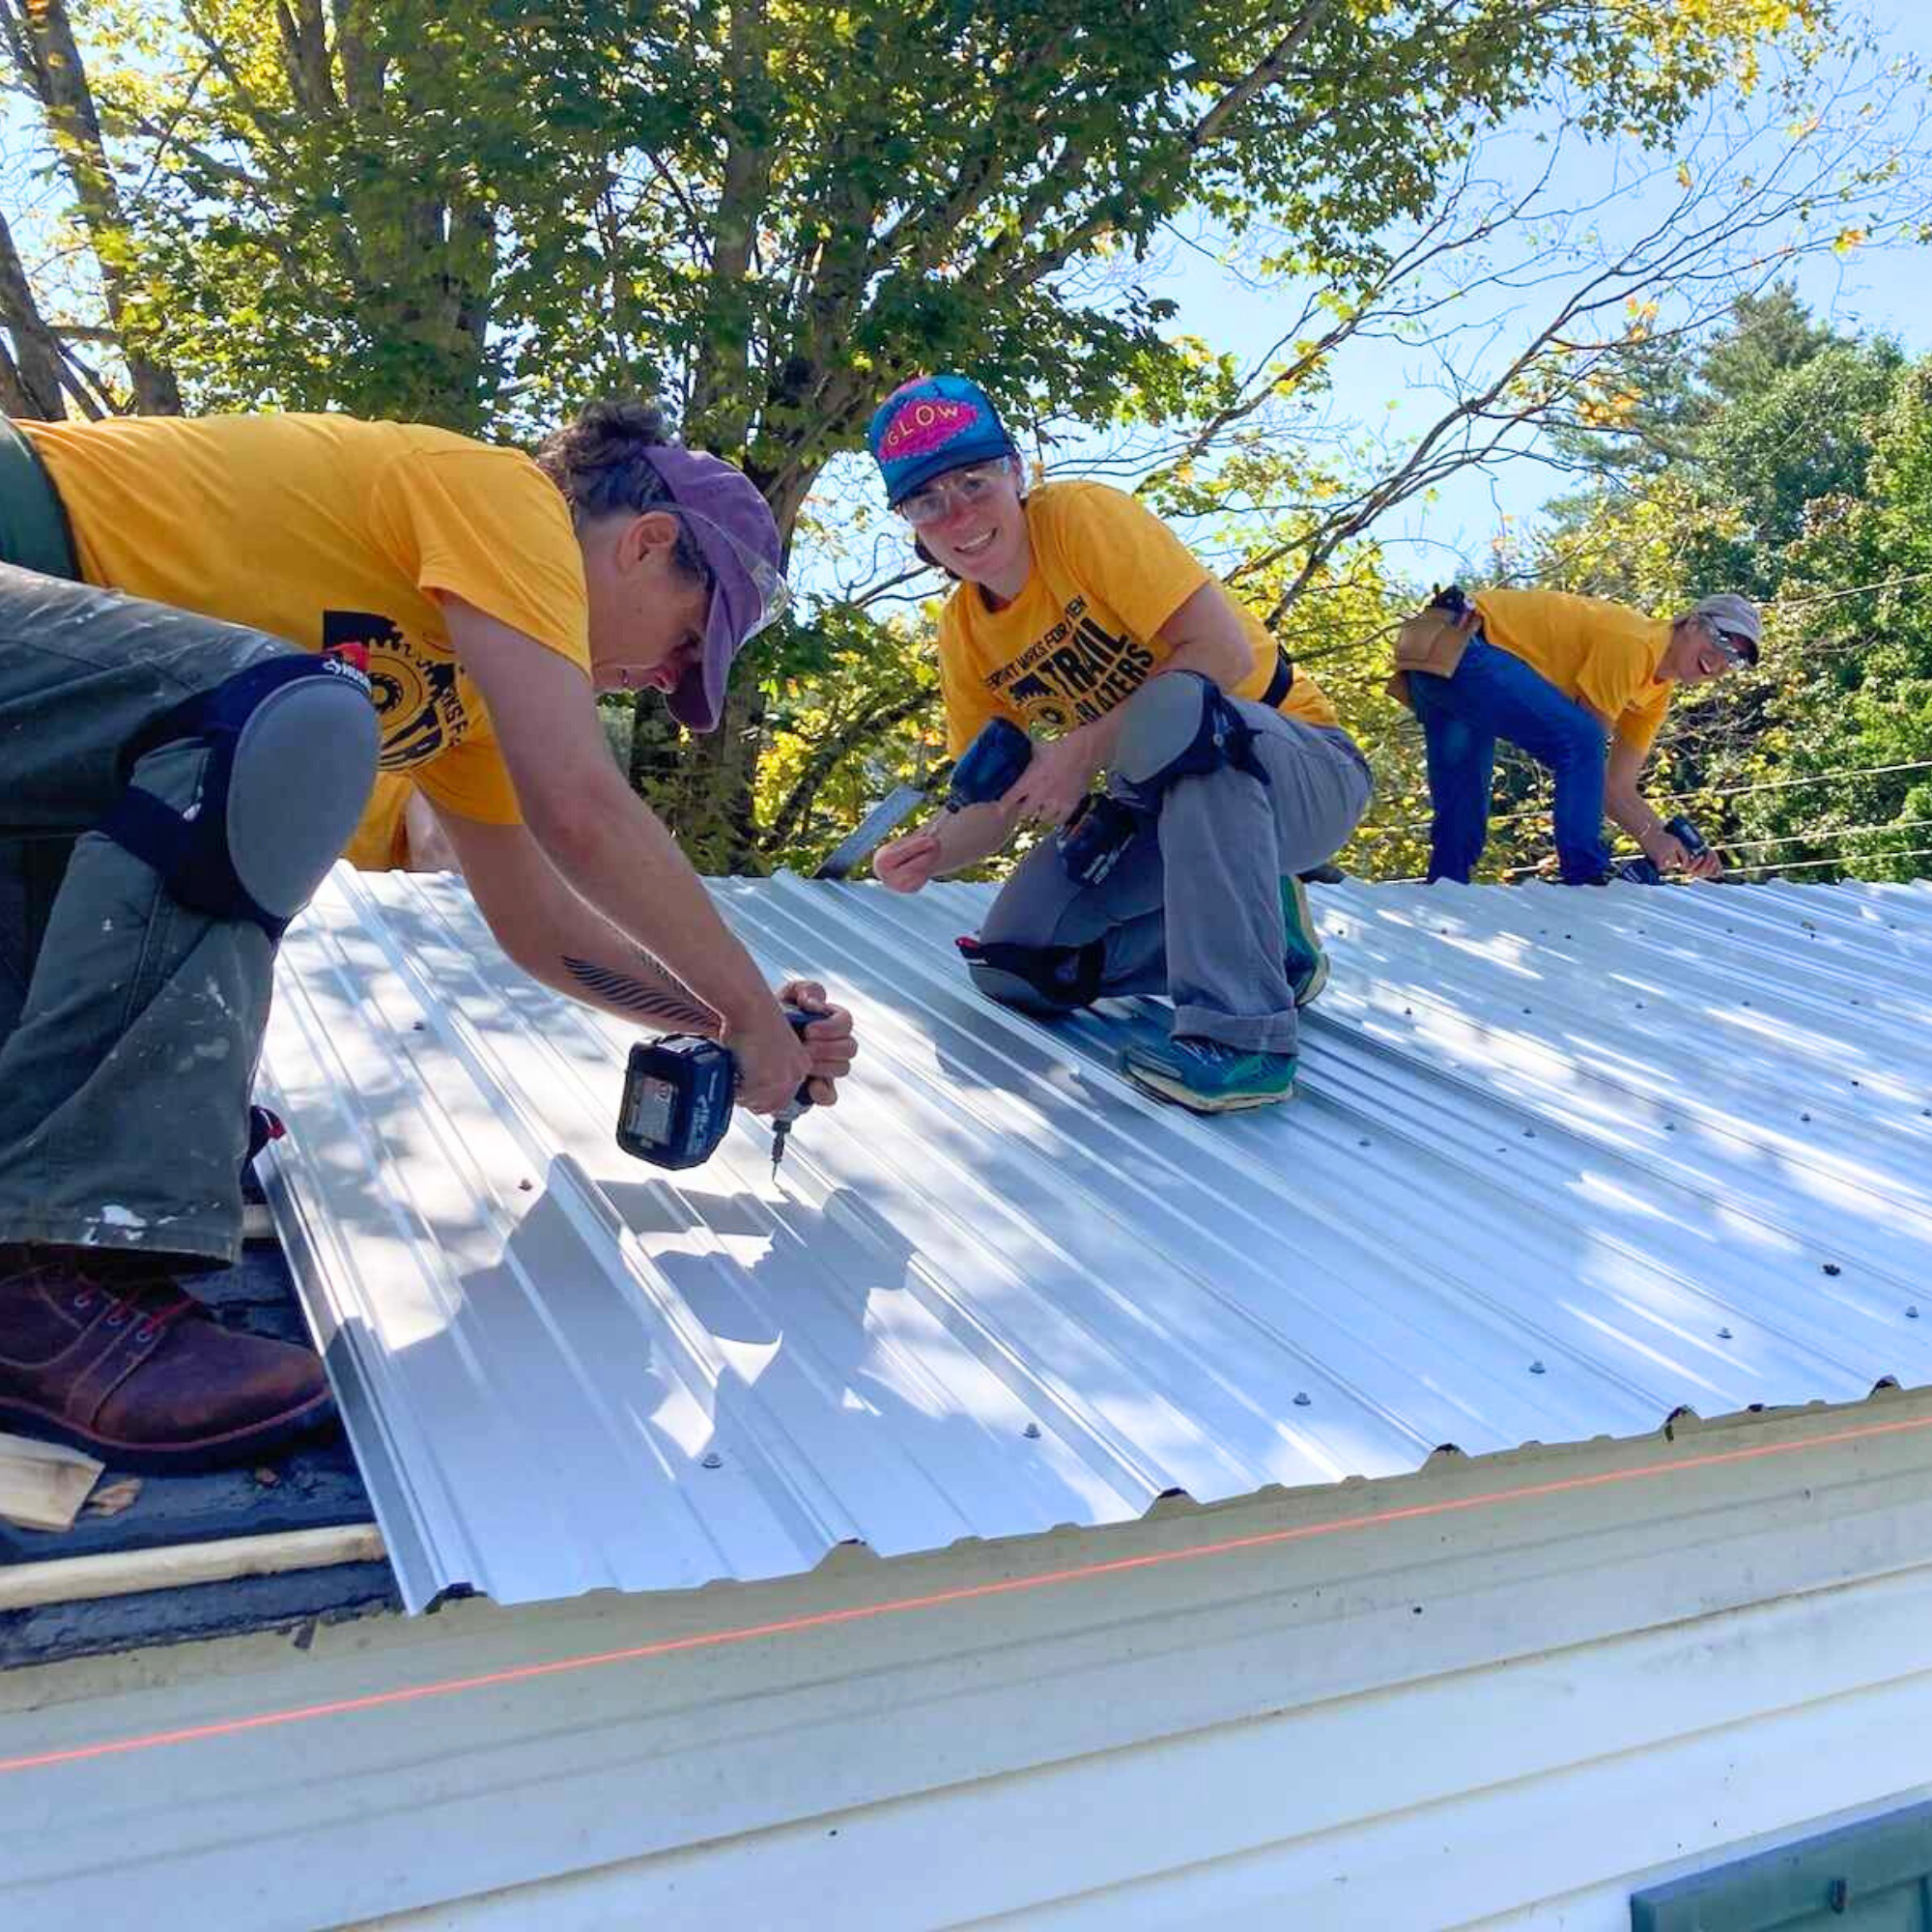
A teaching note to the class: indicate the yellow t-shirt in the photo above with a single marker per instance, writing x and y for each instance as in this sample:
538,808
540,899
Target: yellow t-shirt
328,530
1082,636
1603,654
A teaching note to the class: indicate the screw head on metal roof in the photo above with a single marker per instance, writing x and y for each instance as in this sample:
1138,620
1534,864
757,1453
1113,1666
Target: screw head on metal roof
1804,1116
1031,1431
1302,1398
1831,1267
526,1184
1912,1312
1529,1133
1537,1369
711,1460
415,1026
1724,1334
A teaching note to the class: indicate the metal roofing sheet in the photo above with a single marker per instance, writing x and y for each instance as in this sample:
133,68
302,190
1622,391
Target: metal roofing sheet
1562,1162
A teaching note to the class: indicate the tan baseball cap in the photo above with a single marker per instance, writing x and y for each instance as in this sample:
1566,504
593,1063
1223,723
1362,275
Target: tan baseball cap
1736,618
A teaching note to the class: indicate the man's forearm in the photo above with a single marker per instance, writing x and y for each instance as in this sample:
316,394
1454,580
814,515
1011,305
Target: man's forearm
625,982
1629,810
625,866
1622,799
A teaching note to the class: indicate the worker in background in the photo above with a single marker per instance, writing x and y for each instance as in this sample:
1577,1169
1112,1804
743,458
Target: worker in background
1079,616
213,634
1582,685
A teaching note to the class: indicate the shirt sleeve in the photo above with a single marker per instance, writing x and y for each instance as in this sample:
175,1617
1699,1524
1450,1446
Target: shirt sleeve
1118,549
489,527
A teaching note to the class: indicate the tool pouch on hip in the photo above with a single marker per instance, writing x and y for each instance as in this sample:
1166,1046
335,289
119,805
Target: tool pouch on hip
1433,642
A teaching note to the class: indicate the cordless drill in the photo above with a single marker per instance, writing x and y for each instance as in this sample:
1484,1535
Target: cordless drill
678,1094
1642,872
1090,841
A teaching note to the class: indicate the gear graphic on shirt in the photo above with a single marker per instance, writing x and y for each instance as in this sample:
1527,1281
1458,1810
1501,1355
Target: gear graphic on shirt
416,695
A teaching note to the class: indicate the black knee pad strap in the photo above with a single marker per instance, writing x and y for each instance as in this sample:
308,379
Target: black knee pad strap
1060,978
1219,737
195,853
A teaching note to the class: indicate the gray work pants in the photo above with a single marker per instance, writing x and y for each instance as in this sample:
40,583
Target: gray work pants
129,1026
1193,908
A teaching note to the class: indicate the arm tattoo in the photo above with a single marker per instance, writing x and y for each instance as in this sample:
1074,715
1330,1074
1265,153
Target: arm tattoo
659,995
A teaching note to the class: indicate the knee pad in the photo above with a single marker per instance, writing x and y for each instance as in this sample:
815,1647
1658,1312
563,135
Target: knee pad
1044,980
291,757
1177,726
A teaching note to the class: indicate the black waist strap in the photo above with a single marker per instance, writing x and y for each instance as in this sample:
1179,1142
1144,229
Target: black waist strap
33,529
1281,683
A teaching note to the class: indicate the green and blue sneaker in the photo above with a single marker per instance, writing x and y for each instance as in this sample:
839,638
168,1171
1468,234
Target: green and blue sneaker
1307,963
1209,1077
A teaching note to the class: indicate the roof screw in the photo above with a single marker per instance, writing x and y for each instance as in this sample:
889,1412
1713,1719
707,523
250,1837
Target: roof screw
526,1184
1912,1312
1302,1398
415,1026
1671,1126
1831,1267
1409,1014
1363,1141
1724,1334
1804,1116
711,1460
1031,1431
1857,1083
1537,1369
1529,1133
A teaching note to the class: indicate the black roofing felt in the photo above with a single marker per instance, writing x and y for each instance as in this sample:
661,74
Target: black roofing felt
312,1487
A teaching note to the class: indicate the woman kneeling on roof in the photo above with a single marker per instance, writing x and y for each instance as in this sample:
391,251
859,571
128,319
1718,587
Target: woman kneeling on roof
1081,617
215,634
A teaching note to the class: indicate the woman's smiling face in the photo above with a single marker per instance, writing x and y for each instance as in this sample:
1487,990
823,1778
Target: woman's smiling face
973,522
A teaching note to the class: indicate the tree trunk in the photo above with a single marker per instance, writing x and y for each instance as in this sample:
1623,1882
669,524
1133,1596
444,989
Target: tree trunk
60,82
34,371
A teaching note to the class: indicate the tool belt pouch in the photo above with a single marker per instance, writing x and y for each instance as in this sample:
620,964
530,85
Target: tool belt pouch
1433,642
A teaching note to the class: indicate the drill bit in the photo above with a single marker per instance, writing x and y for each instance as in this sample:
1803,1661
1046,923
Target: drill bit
780,1127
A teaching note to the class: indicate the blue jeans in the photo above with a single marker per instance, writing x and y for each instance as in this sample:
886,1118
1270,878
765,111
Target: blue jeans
1493,695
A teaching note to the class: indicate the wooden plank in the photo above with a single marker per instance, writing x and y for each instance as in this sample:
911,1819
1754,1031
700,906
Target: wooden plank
68,1579
43,1485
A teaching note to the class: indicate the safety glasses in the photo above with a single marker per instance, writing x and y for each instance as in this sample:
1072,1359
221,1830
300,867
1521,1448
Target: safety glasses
961,488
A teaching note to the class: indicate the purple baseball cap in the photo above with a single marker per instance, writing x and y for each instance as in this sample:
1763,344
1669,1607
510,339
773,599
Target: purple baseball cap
732,525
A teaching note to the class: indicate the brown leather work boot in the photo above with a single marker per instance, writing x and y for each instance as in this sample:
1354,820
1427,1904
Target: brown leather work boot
140,1374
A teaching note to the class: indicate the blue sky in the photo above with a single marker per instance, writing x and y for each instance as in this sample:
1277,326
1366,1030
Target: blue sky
1885,289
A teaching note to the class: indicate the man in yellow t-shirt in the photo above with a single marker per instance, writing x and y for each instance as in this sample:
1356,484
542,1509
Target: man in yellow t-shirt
1567,678
193,642
1081,619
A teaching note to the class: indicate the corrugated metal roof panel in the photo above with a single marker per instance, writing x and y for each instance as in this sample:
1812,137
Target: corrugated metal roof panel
1562,1163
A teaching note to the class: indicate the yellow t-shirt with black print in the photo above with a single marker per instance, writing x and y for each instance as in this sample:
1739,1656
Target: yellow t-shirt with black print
1083,636
1603,654
329,531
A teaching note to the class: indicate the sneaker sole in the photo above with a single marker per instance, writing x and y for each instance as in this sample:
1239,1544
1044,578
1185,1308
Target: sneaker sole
208,1452
1306,994
1179,1096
